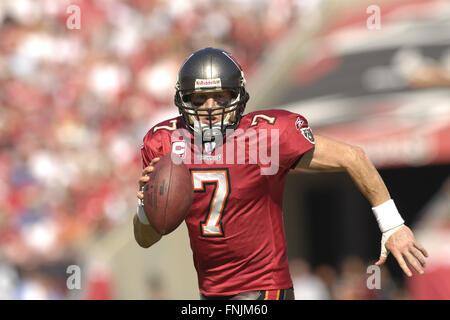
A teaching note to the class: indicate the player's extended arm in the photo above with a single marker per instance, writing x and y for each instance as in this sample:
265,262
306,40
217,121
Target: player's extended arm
144,233
331,155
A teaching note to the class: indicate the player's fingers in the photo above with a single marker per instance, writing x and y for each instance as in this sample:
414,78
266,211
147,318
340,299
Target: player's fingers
401,262
154,161
147,170
413,262
140,195
143,180
380,261
418,255
421,248
150,167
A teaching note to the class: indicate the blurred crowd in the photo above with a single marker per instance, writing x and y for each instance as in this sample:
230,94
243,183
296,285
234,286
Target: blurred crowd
352,280
75,104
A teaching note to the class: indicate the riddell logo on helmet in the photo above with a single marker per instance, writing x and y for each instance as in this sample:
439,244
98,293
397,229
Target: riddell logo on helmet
208,83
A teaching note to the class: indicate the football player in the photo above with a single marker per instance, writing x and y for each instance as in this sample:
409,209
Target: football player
235,223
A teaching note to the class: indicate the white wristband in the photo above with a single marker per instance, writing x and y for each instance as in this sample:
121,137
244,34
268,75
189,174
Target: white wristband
387,216
141,214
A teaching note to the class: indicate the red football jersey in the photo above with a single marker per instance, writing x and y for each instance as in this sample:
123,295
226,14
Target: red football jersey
235,223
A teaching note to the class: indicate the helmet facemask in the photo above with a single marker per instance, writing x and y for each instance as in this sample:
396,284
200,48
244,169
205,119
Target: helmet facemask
229,114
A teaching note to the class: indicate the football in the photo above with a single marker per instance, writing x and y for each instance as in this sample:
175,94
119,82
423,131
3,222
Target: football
168,195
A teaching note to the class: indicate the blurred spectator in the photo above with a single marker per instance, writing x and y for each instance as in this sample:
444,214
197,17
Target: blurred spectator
420,71
307,286
37,285
352,281
157,287
8,280
98,282
328,275
389,288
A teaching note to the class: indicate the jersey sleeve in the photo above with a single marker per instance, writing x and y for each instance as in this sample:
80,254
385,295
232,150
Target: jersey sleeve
157,141
152,147
296,138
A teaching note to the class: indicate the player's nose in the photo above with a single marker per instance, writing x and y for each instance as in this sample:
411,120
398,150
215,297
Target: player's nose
210,103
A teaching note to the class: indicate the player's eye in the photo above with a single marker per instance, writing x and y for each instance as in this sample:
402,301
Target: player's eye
220,101
197,103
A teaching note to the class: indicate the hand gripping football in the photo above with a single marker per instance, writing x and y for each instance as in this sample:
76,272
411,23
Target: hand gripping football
168,195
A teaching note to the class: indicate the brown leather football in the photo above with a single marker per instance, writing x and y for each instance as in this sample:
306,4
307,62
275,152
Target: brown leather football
168,195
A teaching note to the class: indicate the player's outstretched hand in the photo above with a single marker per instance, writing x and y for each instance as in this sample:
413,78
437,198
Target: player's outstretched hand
145,178
406,250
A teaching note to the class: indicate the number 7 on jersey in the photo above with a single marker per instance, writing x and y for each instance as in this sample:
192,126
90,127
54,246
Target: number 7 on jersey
219,178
